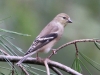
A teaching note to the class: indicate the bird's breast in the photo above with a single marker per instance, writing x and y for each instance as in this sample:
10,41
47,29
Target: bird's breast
48,47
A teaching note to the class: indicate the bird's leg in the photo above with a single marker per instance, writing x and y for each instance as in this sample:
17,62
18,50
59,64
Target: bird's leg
37,57
54,51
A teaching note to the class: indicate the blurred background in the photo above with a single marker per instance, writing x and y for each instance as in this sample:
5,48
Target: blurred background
30,17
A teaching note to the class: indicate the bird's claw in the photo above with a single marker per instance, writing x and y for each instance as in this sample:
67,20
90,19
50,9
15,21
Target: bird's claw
54,51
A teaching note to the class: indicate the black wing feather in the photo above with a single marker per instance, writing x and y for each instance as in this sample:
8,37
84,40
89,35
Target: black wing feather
42,42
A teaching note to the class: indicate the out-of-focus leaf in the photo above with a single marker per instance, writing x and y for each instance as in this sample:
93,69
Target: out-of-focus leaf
76,65
90,61
12,32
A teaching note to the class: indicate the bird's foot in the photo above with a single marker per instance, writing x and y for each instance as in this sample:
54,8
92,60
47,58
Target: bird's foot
38,58
54,51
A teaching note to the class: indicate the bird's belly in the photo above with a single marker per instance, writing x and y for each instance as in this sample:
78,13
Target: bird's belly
45,50
47,47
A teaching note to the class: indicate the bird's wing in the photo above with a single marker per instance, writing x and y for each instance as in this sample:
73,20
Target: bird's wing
40,42
47,35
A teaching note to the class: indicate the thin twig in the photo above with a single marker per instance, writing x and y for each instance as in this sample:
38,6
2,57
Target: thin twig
4,52
65,68
23,69
76,49
47,67
13,68
56,70
73,42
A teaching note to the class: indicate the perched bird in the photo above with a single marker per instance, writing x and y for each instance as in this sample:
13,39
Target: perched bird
48,36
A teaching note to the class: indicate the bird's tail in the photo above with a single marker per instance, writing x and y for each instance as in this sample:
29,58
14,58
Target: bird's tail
25,57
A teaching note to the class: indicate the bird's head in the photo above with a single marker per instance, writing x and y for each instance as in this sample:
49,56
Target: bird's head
63,19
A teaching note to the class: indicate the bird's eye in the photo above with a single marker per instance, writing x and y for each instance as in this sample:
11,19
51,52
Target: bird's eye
64,17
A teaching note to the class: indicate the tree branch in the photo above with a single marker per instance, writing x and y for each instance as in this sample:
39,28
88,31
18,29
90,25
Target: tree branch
50,63
73,42
47,67
24,70
31,60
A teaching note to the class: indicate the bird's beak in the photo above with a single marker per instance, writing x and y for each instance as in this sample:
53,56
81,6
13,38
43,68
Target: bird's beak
69,20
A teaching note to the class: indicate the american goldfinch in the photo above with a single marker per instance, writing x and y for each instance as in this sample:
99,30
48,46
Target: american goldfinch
48,36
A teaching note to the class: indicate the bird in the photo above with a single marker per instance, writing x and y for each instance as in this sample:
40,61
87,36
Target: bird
48,37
